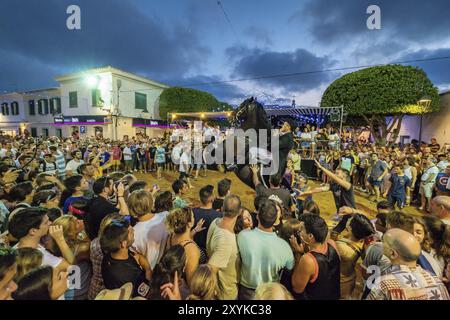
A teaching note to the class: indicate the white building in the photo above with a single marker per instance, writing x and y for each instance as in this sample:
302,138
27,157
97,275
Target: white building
110,102
31,110
104,101
434,125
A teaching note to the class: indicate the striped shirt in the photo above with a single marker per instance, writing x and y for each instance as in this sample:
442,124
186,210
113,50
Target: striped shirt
60,164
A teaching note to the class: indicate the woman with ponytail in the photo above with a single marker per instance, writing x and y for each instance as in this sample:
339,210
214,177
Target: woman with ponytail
360,230
75,187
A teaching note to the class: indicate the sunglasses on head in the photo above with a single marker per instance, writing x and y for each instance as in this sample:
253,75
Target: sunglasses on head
122,223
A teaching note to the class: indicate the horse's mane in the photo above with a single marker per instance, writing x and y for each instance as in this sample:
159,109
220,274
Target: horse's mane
259,119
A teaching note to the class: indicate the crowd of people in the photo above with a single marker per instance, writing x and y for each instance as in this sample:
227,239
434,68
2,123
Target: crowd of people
77,224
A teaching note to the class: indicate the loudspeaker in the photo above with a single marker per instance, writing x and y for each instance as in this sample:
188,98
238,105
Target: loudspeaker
309,168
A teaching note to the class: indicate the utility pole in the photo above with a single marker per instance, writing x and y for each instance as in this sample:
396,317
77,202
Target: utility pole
117,111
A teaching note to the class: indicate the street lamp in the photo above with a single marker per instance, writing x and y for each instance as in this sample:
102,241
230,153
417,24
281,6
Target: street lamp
425,103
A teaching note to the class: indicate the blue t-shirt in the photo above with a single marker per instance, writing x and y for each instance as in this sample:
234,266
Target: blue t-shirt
399,184
264,255
442,182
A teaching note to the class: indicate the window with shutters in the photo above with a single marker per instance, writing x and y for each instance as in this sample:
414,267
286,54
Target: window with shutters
15,108
34,132
43,108
140,101
73,99
57,102
31,108
96,98
52,107
5,109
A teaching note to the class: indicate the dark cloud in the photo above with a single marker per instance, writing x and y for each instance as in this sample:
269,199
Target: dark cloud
113,32
401,20
436,70
259,34
225,92
19,73
257,62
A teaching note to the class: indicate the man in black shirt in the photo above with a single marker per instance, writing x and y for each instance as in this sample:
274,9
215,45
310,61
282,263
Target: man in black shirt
205,212
120,265
286,143
99,206
223,189
342,190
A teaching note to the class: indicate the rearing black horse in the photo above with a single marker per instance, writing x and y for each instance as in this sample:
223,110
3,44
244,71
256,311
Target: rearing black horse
252,115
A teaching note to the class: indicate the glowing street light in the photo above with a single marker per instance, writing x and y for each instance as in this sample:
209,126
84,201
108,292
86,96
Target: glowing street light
92,81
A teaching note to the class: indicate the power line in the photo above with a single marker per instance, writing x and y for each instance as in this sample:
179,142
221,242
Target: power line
281,75
219,3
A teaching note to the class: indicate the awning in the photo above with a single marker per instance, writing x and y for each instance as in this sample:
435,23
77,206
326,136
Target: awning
303,111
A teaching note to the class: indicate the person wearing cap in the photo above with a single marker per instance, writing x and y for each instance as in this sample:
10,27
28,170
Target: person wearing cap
444,161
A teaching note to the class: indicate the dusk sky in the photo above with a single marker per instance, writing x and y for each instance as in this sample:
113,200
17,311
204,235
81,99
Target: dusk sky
185,42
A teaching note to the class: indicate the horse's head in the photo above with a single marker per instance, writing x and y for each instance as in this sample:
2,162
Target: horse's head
250,114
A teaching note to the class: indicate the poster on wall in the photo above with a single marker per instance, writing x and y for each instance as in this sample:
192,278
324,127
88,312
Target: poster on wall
83,129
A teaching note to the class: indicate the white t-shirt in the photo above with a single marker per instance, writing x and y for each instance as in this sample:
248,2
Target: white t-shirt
223,253
127,155
150,238
185,160
433,170
73,165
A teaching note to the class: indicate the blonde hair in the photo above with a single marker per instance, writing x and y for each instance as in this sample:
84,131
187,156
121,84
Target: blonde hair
68,223
27,260
140,203
272,291
107,220
178,220
203,284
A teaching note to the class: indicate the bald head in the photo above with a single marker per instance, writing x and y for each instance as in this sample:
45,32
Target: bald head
404,243
231,206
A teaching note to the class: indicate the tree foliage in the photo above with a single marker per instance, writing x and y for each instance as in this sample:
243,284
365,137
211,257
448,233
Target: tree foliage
373,93
176,99
383,90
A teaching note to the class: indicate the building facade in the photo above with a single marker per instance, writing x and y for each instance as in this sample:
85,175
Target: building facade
434,125
31,110
105,102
